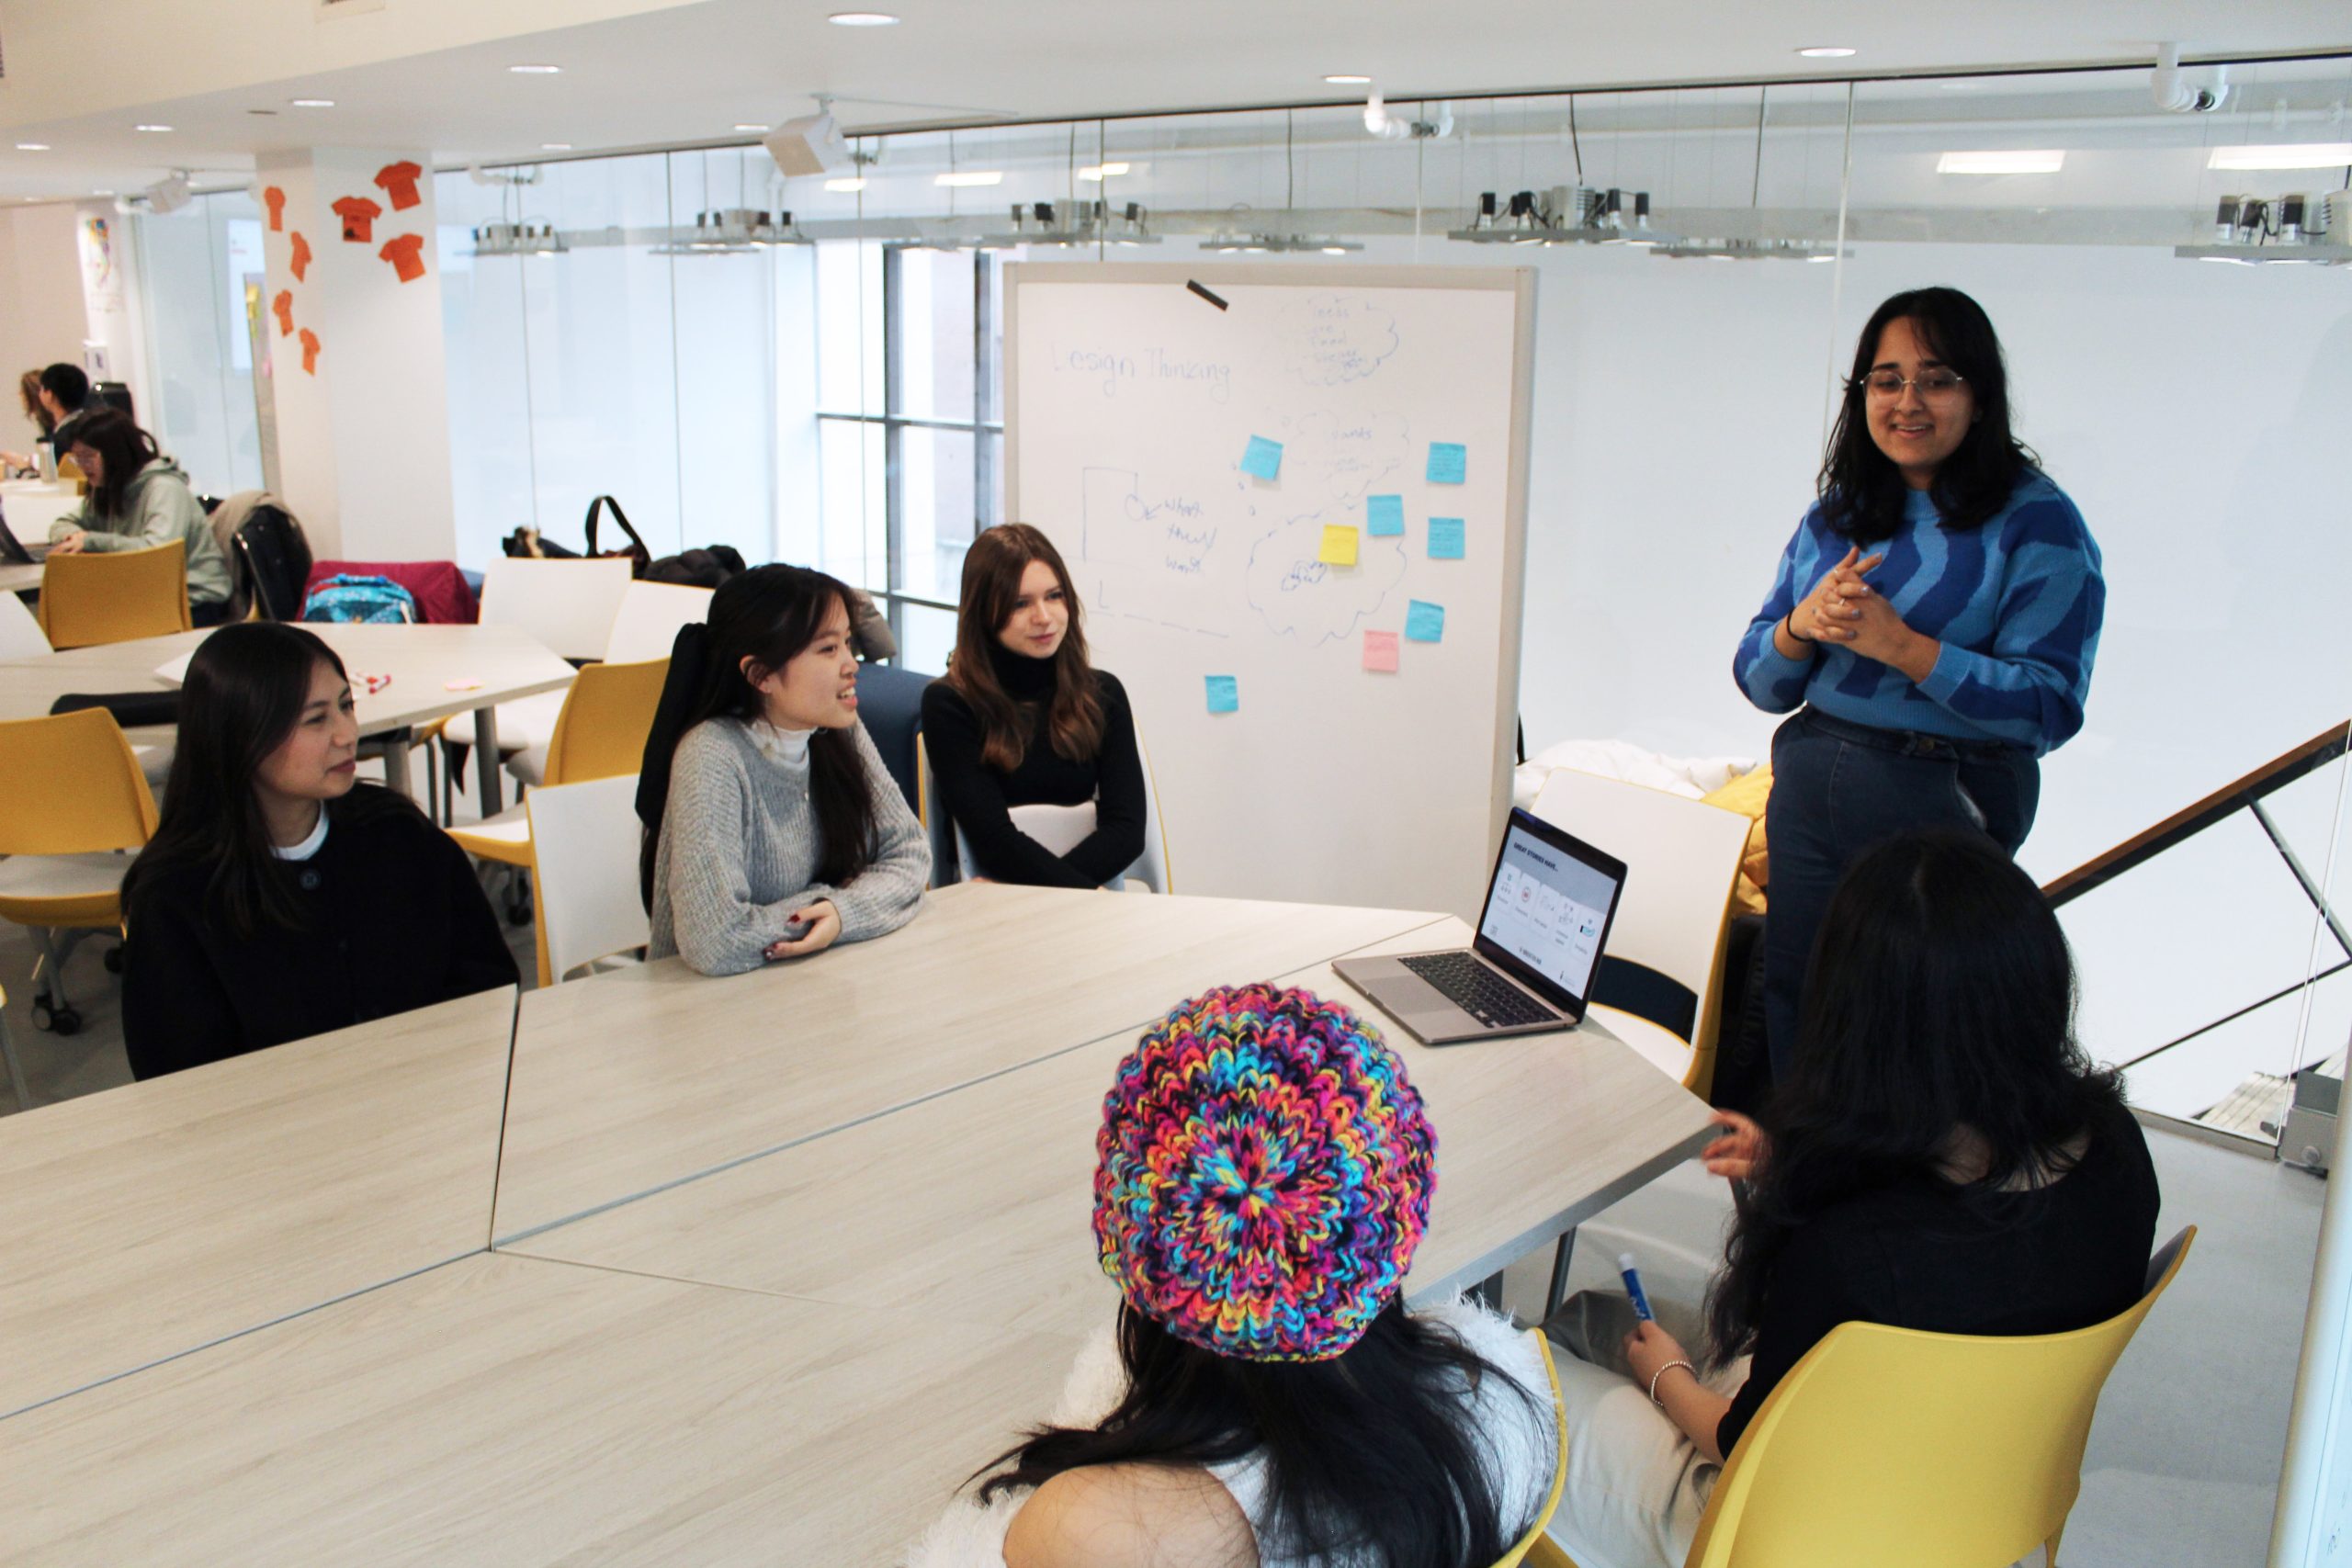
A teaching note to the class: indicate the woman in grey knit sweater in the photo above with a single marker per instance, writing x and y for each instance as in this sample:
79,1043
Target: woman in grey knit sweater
772,829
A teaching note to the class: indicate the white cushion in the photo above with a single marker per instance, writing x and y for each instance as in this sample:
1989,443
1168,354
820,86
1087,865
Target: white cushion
62,876
1689,777
1661,1048
522,724
512,826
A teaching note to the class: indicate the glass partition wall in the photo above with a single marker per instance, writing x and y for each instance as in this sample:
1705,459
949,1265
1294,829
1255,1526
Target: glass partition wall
810,369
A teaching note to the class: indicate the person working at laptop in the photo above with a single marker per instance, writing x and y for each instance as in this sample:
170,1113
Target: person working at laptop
55,400
139,499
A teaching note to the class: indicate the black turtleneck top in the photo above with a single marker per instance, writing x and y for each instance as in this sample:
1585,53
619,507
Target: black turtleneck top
978,798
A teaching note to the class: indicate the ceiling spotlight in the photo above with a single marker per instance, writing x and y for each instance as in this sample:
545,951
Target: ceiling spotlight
313,102
748,125
156,129
1826,51
970,178
2043,161
32,146
847,186
863,19
1347,81
535,69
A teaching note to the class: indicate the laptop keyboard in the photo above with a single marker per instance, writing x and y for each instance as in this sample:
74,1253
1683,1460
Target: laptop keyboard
1477,990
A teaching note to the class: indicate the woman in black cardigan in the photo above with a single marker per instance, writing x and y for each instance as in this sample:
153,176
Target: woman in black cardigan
279,899
1021,718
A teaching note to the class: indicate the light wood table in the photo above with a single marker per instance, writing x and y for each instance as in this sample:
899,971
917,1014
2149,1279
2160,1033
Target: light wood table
493,664
146,1221
505,1411
644,1077
1535,1135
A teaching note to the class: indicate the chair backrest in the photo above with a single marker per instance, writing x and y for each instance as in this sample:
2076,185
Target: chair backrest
1061,829
890,704
21,633
645,626
946,860
1665,944
70,784
88,598
568,605
1935,1451
606,716
583,872
274,556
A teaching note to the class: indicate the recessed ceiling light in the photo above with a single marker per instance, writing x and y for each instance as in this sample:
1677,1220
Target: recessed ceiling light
971,177
1826,51
863,19
748,126
2045,161
2299,155
1099,172
151,128
535,69
555,146
1344,81
102,192
847,183
32,146
313,102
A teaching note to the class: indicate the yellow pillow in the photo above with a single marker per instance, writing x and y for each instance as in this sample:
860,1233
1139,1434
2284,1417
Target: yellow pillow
1746,796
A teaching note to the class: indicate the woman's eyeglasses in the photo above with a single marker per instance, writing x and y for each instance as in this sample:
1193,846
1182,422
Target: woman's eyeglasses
1934,385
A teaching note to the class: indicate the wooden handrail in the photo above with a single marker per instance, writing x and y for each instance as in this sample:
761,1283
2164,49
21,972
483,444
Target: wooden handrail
2271,776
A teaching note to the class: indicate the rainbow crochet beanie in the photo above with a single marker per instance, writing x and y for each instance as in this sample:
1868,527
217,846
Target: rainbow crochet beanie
1266,1173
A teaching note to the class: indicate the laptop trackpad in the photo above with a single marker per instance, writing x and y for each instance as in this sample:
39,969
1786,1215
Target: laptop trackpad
1412,1002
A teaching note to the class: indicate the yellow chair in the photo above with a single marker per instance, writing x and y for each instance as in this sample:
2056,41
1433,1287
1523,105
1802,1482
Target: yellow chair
1933,1451
72,798
88,599
607,713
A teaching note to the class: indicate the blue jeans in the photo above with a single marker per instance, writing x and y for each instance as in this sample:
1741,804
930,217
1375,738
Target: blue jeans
1840,787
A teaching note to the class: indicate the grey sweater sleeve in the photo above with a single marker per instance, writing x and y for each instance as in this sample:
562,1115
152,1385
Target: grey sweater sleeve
887,894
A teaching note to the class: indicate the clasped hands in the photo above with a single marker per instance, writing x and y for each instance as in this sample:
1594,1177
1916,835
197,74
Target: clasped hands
1843,611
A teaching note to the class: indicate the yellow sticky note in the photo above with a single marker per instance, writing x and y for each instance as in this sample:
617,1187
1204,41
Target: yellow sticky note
1338,545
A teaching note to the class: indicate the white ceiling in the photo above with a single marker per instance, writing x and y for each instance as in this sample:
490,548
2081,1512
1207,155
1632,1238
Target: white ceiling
432,74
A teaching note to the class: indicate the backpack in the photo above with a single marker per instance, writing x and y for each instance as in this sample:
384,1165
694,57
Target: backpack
370,599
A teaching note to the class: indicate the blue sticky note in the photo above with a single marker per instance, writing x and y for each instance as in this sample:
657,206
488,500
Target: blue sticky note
1449,462
1445,538
1262,459
1424,622
1225,692
1383,514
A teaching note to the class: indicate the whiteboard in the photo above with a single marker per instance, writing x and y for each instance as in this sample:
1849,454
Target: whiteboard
1132,404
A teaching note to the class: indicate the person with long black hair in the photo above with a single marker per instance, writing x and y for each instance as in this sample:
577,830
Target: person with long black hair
1264,1175
1936,616
139,499
771,828
1022,719
280,898
1944,1157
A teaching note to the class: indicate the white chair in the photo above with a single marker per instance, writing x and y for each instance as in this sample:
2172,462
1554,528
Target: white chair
20,634
1061,829
569,607
1662,973
651,614
585,841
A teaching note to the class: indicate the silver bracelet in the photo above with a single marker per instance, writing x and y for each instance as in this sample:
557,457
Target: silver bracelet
1661,1372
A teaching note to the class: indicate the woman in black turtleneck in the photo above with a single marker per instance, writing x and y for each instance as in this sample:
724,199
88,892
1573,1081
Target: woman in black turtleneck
1022,719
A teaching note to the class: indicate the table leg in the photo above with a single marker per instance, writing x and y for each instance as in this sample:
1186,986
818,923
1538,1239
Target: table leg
1557,1290
486,761
395,746
1489,1291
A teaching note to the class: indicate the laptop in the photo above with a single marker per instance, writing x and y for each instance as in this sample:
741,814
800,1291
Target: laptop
1531,967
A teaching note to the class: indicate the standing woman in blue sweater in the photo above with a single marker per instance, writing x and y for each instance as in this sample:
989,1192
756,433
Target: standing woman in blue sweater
1933,625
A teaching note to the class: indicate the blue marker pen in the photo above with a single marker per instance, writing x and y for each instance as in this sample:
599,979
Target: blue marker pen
1634,1287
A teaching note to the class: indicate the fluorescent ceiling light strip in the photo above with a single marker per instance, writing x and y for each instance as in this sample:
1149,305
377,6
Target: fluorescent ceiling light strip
2001,163
2298,155
971,177
1100,172
847,185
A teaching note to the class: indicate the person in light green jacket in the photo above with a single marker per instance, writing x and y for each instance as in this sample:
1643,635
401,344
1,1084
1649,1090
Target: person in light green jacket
139,499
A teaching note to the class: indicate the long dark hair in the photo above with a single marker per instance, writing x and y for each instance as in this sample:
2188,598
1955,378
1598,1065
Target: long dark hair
769,616
993,569
1374,1451
123,450
1861,490
1941,996
246,687
28,393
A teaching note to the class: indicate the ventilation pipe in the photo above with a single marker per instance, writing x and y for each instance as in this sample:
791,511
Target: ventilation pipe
2177,95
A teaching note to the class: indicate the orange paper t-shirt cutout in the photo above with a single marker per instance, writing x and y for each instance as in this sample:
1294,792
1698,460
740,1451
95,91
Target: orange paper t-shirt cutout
284,306
310,352
277,200
301,263
358,215
401,252
398,181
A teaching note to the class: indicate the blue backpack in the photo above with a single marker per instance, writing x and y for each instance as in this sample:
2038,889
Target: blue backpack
372,599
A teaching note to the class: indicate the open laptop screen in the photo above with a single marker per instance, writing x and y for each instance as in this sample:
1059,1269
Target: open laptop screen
1548,908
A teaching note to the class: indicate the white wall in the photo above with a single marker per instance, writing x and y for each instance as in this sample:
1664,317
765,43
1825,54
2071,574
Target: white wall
41,320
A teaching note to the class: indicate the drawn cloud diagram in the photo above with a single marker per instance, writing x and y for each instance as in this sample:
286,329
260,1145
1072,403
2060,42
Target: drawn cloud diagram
1332,339
1297,595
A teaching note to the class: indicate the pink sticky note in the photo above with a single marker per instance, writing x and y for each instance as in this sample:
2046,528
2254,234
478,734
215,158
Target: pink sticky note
1380,650
463,683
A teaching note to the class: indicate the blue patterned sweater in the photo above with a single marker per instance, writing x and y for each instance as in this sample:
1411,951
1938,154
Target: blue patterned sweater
2016,603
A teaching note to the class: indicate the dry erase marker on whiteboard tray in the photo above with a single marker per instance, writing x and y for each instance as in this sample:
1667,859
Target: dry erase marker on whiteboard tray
1633,1278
